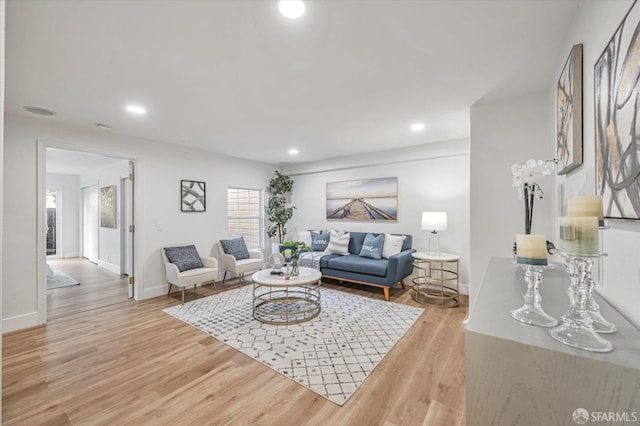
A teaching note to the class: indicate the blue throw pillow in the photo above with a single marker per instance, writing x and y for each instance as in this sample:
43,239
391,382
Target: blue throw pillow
372,246
319,241
184,258
236,247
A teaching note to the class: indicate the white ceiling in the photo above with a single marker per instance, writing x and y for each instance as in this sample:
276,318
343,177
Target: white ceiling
238,78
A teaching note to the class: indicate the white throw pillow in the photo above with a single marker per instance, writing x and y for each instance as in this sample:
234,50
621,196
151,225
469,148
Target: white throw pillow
305,237
338,243
392,245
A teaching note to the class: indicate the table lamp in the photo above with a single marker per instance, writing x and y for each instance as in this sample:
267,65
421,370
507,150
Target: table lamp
434,222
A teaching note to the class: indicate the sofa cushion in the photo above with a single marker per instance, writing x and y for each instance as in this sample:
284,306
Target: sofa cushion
355,263
392,245
236,247
357,239
185,258
372,246
338,243
319,240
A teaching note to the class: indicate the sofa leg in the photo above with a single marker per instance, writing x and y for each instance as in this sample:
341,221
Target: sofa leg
225,277
169,292
386,293
402,284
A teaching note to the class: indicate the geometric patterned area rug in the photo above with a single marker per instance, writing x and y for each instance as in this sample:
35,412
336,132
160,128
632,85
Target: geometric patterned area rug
331,355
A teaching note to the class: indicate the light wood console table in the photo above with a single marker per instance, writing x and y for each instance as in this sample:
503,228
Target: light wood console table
518,374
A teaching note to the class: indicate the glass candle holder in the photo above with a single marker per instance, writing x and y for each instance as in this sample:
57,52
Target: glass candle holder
531,312
577,329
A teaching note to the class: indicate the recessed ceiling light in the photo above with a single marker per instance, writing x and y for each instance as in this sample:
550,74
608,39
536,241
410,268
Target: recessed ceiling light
293,151
291,8
38,110
416,127
136,109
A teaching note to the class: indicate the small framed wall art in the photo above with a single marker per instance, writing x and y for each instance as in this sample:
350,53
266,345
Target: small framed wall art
108,207
569,111
193,196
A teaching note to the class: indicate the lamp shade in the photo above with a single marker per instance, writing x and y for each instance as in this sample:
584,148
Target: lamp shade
434,221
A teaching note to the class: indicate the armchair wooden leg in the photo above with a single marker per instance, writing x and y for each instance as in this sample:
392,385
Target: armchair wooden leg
386,293
183,295
402,284
169,292
225,277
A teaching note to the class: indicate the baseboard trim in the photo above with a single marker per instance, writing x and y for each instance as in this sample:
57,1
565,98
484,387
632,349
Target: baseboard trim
110,267
154,292
19,322
71,255
464,289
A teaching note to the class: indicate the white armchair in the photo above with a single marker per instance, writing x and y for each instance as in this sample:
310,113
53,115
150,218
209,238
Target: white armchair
255,262
192,276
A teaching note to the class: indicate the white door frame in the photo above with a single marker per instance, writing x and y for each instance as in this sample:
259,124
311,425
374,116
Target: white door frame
41,243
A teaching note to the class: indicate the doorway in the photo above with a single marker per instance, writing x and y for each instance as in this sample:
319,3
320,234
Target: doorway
98,253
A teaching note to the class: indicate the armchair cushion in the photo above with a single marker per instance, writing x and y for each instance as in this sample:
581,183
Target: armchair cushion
236,247
185,258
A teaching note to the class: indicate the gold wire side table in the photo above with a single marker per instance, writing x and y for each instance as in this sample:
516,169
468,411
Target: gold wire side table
437,280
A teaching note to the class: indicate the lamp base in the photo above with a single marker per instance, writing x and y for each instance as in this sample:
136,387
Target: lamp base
434,242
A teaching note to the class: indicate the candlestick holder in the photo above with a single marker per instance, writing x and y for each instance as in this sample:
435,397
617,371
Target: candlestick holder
531,312
577,325
600,324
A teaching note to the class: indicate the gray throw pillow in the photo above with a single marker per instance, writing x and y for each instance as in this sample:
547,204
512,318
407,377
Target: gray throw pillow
184,258
319,241
372,246
236,247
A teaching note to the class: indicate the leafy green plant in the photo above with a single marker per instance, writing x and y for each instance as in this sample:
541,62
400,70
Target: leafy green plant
296,248
278,212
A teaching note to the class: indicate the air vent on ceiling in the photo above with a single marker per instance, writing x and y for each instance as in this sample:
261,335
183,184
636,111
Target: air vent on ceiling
39,110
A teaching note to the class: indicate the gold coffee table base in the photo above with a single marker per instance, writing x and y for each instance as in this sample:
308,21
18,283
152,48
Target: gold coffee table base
285,306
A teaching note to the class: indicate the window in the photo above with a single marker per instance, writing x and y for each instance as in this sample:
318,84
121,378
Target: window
245,215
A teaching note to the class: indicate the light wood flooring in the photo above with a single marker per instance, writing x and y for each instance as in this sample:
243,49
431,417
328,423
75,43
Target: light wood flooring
129,363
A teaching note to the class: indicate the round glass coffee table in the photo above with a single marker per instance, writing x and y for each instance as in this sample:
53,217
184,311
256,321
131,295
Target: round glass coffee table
283,300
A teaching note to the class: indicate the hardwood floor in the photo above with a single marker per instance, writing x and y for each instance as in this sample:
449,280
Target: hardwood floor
98,287
130,363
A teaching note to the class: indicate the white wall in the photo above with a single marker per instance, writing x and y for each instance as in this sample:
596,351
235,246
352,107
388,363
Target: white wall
594,25
159,169
2,14
70,208
108,238
505,132
431,177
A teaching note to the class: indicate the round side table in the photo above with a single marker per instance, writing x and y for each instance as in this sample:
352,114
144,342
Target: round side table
437,282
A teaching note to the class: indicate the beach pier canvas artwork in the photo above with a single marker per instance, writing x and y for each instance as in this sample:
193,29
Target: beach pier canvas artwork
365,199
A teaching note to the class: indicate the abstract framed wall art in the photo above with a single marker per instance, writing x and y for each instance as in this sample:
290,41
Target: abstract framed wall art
363,200
617,128
108,207
193,196
569,113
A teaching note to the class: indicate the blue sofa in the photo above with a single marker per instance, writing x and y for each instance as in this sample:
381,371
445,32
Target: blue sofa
382,273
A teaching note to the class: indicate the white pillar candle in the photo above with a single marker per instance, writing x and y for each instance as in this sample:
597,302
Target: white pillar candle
531,249
287,253
586,205
579,235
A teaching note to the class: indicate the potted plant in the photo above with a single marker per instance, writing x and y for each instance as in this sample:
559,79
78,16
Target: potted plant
278,211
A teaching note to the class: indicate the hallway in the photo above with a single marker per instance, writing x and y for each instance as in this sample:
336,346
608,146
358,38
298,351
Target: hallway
98,288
